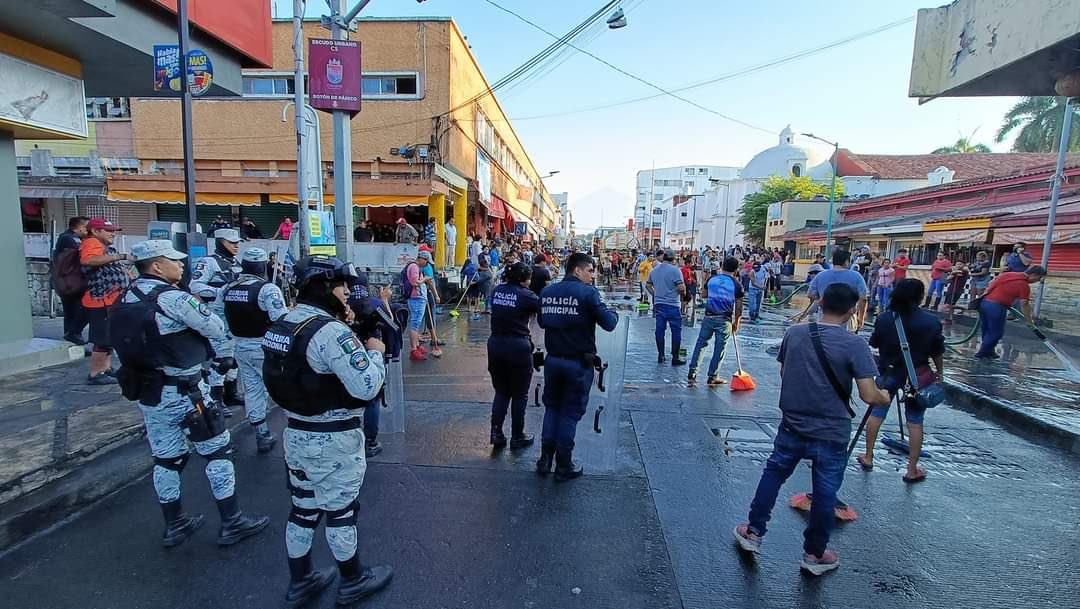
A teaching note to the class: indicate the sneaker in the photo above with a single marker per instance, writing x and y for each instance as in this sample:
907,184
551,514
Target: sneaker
818,566
418,355
101,378
691,377
747,540
715,381
75,340
372,448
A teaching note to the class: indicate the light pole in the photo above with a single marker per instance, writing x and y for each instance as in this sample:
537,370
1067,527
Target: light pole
832,191
1055,194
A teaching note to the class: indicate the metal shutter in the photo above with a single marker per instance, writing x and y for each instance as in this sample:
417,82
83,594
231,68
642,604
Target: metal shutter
1064,258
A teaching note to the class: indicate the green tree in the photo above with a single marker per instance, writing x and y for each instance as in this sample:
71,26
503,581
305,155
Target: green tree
755,208
963,145
1039,122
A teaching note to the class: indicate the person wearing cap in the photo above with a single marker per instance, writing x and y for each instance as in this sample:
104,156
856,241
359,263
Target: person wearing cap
324,378
208,280
1004,291
106,279
172,394
251,304
665,284
418,302
405,233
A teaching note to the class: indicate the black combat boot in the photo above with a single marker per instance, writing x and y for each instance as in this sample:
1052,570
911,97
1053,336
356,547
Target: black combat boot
358,582
217,395
235,526
518,438
178,525
233,397
546,460
565,468
305,583
264,442
498,439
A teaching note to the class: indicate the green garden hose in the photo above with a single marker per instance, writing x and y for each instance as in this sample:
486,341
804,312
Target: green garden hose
786,299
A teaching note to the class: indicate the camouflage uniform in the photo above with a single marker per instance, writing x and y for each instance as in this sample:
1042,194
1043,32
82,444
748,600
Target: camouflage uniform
208,281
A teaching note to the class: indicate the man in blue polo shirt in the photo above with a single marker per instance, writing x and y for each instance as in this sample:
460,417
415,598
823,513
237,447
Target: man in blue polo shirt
723,309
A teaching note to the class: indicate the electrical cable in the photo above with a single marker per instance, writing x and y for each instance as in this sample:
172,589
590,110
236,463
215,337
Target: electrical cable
636,77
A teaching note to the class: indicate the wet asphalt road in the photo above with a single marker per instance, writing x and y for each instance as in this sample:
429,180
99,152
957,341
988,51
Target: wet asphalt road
994,525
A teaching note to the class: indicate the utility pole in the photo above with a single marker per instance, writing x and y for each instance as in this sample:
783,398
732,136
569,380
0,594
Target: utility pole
303,217
339,30
652,205
1055,194
834,163
196,241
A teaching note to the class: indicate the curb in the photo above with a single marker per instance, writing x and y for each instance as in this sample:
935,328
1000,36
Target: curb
1014,417
126,461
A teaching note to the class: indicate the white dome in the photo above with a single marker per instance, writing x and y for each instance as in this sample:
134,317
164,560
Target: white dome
786,158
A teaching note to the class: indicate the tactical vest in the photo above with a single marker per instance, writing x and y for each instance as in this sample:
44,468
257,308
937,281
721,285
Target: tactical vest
139,343
242,311
227,270
289,379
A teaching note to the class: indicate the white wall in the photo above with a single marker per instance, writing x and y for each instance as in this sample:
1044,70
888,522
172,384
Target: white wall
855,186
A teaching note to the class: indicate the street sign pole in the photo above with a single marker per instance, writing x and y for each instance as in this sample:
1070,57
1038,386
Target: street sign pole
342,147
302,217
195,241
1055,194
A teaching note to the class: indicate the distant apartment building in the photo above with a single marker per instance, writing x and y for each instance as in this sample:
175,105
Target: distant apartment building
656,188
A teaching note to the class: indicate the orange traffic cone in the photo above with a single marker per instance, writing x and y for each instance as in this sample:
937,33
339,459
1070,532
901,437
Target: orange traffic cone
741,380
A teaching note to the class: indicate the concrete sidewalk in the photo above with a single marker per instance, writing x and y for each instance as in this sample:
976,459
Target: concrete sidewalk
469,528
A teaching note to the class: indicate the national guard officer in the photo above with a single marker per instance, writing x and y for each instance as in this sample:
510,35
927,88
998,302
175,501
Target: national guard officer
570,310
319,372
510,349
208,280
163,336
251,304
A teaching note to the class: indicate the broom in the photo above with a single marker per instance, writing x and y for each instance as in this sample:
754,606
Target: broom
436,350
741,380
454,312
843,511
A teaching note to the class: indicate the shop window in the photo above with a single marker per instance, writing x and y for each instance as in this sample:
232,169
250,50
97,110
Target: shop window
796,170
33,220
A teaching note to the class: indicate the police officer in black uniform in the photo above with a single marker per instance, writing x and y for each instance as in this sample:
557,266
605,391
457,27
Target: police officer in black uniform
320,373
570,310
510,350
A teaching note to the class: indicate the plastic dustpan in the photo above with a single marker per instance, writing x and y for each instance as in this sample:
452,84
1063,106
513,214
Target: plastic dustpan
741,380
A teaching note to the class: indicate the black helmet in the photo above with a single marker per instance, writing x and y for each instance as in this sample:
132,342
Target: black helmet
517,272
321,268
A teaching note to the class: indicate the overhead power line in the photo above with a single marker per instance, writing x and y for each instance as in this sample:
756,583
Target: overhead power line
648,83
737,73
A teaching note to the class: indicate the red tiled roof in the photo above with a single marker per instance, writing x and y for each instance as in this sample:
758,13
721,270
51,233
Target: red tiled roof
916,166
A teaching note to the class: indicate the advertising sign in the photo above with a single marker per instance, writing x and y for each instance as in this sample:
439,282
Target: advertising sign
200,70
322,232
334,74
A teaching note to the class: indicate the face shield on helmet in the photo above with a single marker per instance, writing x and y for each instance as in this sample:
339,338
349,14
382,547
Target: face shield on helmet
315,278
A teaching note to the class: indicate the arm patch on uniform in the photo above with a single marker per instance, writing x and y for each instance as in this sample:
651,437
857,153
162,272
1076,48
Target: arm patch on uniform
359,360
199,306
349,343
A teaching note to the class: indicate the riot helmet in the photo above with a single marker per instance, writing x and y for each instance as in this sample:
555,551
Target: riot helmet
315,278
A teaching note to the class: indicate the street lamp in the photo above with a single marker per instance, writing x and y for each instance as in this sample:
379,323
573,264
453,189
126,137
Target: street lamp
693,220
550,174
832,191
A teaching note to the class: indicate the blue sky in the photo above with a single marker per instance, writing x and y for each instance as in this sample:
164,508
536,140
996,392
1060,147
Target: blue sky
855,94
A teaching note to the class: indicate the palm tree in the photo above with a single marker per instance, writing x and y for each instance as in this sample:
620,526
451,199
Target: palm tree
963,145
1039,121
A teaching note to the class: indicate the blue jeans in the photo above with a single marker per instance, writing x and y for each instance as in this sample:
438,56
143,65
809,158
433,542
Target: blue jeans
884,294
936,287
710,325
992,315
829,460
371,419
668,315
755,303
567,383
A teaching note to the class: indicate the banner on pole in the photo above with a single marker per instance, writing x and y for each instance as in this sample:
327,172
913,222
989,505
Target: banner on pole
334,74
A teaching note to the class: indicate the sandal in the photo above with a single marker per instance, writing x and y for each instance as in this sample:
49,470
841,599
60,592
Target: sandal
864,464
917,478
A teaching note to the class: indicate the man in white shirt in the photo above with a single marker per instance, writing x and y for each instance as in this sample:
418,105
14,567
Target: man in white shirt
451,241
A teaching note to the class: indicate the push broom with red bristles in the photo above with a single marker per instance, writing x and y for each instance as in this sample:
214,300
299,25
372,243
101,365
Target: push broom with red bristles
741,380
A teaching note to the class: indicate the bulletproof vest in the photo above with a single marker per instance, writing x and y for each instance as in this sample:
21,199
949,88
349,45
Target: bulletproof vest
139,343
242,311
289,379
228,271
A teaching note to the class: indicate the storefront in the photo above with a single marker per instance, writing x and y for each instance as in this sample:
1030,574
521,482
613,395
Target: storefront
959,239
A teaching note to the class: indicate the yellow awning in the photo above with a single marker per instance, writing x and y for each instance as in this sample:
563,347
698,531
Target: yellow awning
202,198
363,200
929,227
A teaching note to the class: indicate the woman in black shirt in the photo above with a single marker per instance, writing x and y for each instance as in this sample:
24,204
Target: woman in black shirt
510,350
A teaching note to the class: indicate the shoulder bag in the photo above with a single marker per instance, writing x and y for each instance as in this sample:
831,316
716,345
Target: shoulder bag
923,397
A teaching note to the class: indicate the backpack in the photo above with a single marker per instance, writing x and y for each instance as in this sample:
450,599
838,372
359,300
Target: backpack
67,275
407,286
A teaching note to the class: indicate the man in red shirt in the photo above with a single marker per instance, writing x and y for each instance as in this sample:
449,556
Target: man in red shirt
900,265
939,270
1005,290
